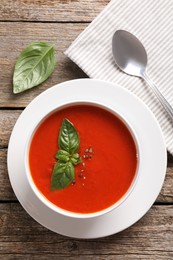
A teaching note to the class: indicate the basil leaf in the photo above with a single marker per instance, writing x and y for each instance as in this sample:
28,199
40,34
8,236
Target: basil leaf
63,172
63,156
34,65
63,175
75,159
68,137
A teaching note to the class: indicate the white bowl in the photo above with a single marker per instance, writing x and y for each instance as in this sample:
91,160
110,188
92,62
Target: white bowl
54,207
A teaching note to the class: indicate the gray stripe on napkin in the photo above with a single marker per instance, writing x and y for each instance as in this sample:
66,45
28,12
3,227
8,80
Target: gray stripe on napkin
152,22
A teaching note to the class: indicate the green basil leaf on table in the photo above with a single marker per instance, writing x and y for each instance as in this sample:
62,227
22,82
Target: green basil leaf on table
68,138
34,65
63,175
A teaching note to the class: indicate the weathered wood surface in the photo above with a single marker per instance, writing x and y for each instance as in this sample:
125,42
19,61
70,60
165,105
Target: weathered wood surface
50,10
150,238
8,119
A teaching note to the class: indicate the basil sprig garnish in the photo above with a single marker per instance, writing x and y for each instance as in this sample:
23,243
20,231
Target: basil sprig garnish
68,141
34,65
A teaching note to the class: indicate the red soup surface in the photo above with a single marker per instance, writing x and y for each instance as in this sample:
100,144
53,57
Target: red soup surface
109,159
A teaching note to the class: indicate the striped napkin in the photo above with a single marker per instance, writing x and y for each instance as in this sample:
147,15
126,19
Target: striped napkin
152,22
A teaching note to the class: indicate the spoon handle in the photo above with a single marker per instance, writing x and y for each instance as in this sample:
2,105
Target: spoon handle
161,98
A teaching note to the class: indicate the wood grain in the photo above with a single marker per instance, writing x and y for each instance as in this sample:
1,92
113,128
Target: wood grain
8,119
15,36
6,193
149,238
50,10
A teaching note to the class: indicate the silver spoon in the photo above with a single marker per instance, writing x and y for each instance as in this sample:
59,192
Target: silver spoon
131,57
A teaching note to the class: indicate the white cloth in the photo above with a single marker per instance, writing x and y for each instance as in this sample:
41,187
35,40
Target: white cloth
152,22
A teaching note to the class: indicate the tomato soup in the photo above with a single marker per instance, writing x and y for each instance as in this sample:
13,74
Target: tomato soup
108,152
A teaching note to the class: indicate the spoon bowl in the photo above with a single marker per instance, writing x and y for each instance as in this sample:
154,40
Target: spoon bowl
129,53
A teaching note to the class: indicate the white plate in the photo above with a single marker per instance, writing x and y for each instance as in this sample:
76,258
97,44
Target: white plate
152,162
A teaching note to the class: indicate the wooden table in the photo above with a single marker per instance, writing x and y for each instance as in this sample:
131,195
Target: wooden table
59,22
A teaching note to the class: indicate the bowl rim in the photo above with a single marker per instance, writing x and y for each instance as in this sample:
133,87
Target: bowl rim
60,210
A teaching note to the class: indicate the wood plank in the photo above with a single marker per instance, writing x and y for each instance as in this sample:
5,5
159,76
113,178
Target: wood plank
8,119
166,193
6,193
50,10
15,36
149,238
